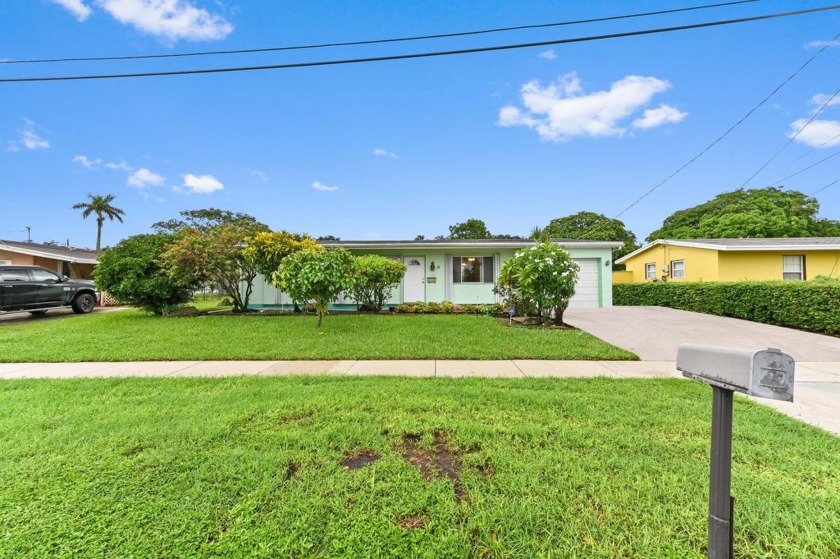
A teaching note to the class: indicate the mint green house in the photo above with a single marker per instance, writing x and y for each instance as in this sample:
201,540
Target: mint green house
463,271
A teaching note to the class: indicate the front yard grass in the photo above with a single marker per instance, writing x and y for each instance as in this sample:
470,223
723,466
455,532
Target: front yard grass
394,467
135,336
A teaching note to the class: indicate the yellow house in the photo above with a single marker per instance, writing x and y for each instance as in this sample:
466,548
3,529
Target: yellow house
798,258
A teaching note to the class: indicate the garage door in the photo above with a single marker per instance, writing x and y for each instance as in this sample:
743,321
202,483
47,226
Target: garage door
587,289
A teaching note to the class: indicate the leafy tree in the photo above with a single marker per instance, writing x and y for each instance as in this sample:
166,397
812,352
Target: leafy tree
268,249
218,255
764,212
207,219
328,238
101,206
317,275
134,273
420,238
544,276
470,229
589,226
374,279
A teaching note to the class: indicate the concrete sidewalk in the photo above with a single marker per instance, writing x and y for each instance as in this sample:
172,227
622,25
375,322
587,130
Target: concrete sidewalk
816,391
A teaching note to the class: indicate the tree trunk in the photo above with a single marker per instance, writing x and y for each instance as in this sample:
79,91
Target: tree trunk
558,315
99,222
320,316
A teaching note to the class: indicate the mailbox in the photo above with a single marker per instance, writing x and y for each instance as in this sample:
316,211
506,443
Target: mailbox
765,373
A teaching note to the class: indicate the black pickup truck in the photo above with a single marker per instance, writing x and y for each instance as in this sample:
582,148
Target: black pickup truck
36,290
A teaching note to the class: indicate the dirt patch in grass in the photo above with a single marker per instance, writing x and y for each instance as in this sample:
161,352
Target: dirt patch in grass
443,462
291,469
359,459
413,522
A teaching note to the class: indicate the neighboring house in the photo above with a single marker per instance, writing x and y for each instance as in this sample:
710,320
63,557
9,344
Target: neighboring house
463,271
798,258
67,261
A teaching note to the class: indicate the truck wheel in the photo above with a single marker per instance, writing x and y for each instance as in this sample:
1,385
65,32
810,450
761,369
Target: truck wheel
83,303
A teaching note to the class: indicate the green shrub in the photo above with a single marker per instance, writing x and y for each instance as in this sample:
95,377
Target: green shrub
133,273
805,305
447,307
374,278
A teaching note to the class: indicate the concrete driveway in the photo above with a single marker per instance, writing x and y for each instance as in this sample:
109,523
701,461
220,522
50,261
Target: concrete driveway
653,333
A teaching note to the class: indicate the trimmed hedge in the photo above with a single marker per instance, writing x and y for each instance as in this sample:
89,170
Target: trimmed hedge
447,307
806,305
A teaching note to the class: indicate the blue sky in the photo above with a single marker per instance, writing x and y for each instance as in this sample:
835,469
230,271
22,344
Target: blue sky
391,150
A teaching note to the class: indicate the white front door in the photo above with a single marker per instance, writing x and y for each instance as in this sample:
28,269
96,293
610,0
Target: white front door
414,283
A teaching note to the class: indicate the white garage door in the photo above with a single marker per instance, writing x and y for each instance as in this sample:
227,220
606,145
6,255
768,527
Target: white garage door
587,290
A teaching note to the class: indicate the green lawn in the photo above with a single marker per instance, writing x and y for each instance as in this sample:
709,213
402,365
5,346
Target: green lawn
135,336
252,467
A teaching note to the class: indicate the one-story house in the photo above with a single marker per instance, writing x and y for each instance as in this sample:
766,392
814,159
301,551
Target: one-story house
463,271
794,258
65,260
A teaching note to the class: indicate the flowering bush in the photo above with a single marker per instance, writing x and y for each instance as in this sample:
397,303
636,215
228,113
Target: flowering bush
542,276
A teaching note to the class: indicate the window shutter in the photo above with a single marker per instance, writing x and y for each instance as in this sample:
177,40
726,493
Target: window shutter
488,269
456,269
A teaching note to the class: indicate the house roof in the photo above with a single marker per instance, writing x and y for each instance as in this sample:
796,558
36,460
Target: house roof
469,243
752,244
65,254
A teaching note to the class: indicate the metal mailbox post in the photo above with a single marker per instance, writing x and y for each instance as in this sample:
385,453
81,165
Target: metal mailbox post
765,373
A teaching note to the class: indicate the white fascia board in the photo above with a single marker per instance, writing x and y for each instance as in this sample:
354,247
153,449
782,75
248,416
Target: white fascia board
61,257
403,245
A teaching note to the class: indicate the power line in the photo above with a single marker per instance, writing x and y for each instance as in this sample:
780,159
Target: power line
792,138
812,165
423,54
817,191
828,141
731,128
380,41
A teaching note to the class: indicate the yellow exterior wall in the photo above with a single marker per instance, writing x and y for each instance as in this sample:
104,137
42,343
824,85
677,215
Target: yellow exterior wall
622,277
713,265
700,264
736,266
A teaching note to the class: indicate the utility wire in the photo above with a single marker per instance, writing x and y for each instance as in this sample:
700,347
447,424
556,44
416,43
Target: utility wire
423,54
381,41
828,141
722,136
817,191
792,138
780,181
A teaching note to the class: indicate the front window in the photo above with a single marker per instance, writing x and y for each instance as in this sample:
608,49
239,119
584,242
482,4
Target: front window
472,269
793,267
677,268
650,270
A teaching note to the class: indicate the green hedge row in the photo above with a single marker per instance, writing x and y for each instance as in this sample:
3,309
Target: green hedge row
806,305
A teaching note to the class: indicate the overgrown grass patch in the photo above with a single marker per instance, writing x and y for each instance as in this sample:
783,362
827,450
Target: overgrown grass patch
258,467
135,336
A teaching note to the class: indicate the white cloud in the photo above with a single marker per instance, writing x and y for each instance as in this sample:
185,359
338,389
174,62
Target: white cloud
324,188
380,153
260,175
821,44
561,110
31,140
548,54
75,7
87,163
201,184
665,114
171,19
121,166
143,178
820,133
821,99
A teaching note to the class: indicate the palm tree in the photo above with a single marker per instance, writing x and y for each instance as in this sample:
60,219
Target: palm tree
101,206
